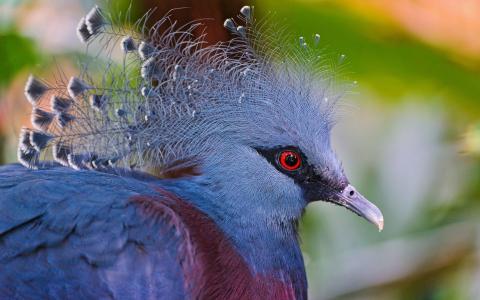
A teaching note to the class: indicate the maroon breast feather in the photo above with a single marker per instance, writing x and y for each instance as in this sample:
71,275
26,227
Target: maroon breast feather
212,267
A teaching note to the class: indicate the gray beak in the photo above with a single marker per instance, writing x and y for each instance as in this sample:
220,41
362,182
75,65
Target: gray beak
354,201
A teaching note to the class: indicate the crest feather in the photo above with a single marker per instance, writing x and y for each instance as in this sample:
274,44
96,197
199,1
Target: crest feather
172,98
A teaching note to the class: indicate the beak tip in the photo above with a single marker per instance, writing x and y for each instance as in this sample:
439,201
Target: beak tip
380,225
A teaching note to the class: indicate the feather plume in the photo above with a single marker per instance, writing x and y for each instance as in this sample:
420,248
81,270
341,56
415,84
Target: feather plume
41,119
76,87
39,140
128,44
60,104
94,20
34,90
64,119
60,153
145,50
27,155
82,31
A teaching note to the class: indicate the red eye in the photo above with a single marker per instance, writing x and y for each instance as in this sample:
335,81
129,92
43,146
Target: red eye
290,160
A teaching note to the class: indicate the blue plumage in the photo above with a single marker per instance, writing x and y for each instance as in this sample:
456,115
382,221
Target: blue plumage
65,236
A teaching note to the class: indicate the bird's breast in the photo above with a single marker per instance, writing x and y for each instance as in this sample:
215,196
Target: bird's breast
212,267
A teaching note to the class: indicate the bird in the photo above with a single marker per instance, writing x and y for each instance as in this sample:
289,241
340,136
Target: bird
178,170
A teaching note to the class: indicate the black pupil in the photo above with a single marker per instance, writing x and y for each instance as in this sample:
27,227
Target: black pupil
291,160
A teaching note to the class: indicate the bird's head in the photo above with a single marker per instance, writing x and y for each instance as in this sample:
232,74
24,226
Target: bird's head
276,143
276,124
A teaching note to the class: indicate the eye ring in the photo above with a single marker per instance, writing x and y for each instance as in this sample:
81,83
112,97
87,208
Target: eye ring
290,160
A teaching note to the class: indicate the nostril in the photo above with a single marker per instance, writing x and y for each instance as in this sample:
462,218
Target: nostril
352,192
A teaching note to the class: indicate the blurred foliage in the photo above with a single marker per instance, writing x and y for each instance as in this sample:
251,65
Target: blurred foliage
17,52
472,139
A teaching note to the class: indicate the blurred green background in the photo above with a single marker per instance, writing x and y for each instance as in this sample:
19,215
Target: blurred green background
408,134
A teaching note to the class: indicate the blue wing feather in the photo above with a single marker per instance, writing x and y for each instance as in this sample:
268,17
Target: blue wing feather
82,238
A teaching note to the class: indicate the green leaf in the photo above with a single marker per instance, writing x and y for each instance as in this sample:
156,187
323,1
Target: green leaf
16,54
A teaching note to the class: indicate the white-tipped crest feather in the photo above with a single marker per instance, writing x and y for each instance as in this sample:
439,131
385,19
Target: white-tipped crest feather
128,44
34,90
94,20
82,31
76,87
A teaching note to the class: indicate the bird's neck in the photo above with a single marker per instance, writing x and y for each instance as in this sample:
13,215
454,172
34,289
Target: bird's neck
271,251
269,246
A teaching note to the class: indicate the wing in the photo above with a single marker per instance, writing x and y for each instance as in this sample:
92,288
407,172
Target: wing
68,234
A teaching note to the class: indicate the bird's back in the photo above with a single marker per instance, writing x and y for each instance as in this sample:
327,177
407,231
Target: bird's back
84,235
